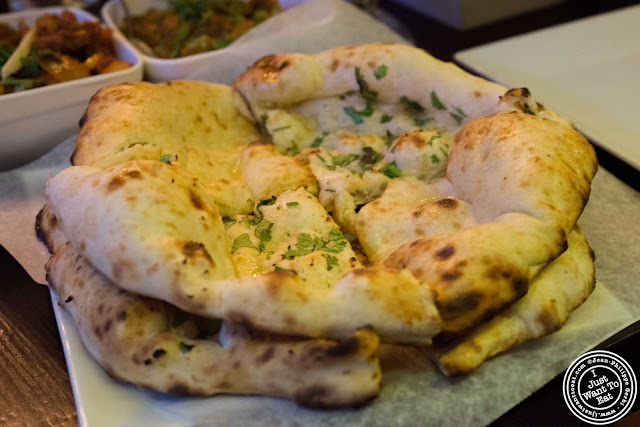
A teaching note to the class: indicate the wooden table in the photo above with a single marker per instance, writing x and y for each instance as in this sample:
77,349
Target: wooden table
34,384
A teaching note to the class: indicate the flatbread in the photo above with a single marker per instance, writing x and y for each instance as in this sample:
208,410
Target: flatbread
144,341
190,124
559,289
358,191
369,113
525,193
169,243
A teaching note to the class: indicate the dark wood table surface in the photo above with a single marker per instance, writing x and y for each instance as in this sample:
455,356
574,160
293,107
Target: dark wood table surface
34,384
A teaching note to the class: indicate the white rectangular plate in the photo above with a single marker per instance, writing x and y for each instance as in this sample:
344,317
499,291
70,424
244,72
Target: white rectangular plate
587,70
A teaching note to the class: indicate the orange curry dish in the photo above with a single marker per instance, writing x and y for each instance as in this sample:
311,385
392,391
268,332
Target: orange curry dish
55,50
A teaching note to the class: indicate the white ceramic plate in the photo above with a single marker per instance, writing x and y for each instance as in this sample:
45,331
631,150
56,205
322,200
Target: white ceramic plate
159,69
33,121
587,70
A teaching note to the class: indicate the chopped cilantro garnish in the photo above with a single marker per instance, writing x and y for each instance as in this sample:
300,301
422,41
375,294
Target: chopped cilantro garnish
433,137
184,347
380,72
281,128
365,92
307,243
367,111
369,157
391,170
78,257
460,112
263,119
385,118
339,160
435,101
251,220
444,152
331,261
412,105
168,158
277,268
434,159
294,149
356,115
228,222
457,118
420,122
318,141
292,204
263,232
242,241
389,138
271,200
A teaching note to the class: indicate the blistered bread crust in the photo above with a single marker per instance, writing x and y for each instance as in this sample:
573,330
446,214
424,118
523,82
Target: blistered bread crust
283,80
132,339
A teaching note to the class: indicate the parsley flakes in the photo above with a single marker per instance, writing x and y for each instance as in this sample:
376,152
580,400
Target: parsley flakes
292,204
385,118
184,347
319,140
263,232
389,138
331,261
353,114
281,128
242,241
339,160
168,158
457,118
412,105
356,115
228,222
369,157
380,72
271,200
420,122
288,270
435,101
307,243
391,170
365,92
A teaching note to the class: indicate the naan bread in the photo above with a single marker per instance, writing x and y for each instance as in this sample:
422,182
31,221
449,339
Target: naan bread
283,81
169,243
243,205
560,288
259,161
190,124
526,180
144,341
362,115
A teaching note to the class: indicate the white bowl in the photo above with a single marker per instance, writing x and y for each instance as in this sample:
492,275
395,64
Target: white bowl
35,120
160,69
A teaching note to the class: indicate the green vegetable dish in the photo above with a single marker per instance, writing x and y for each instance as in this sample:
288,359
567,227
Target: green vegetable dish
189,27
